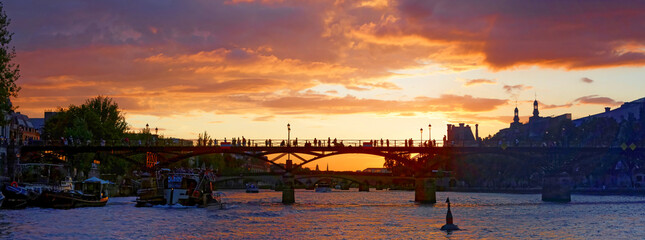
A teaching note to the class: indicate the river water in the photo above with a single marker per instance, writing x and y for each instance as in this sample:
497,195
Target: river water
340,215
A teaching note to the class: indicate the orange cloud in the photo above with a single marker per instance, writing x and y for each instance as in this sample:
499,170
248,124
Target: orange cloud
473,82
350,104
595,99
571,35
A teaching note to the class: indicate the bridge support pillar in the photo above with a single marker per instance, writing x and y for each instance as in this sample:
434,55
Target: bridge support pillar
364,187
557,188
425,190
288,194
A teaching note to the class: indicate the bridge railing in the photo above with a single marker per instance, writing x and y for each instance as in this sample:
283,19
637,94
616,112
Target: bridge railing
328,142
245,142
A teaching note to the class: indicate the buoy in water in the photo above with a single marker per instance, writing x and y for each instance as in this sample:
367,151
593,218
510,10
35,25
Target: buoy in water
449,225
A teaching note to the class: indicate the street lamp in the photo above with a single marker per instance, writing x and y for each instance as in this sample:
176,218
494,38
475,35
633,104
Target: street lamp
429,133
288,163
421,143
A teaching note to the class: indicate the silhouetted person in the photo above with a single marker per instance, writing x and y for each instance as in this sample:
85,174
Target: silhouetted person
328,142
387,142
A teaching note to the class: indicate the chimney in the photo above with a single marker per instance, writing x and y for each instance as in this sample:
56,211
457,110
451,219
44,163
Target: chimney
607,109
462,124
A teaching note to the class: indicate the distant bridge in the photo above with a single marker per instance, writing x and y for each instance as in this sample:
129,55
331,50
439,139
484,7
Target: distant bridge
313,177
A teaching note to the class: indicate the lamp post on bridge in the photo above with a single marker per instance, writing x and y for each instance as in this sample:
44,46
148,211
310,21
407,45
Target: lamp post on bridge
288,163
288,196
421,143
430,134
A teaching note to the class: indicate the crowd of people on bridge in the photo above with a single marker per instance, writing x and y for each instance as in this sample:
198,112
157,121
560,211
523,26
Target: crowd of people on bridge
244,142
329,142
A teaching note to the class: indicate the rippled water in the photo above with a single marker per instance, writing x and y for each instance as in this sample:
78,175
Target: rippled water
340,215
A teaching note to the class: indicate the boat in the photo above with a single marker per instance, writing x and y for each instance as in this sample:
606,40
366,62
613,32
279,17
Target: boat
252,188
169,188
322,187
16,197
71,199
91,194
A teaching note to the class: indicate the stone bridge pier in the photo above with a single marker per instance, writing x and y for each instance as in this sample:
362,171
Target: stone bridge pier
425,190
364,187
557,188
288,194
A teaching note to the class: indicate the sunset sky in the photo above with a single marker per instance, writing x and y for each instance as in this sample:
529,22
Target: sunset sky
340,69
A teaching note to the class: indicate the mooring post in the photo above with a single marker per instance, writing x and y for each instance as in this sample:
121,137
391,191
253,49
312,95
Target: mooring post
425,190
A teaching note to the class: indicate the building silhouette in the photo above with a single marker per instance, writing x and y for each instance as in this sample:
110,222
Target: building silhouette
537,131
461,136
633,110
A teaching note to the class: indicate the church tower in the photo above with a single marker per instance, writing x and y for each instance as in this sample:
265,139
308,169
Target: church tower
516,118
536,113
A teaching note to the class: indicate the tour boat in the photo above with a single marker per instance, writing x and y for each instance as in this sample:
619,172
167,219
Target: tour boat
71,199
252,188
170,188
91,194
323,187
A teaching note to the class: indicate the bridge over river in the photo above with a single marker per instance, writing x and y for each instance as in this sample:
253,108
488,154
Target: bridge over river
557,188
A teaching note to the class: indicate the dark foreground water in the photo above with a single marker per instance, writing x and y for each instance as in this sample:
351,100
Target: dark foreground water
340,215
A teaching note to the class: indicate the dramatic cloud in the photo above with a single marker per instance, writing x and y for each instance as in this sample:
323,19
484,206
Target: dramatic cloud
595,99
350,104
554,106
472,82
586,80
569,34
514,90
260,56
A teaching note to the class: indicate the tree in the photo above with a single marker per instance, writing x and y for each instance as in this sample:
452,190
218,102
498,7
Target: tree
98,119
9,71
203,139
